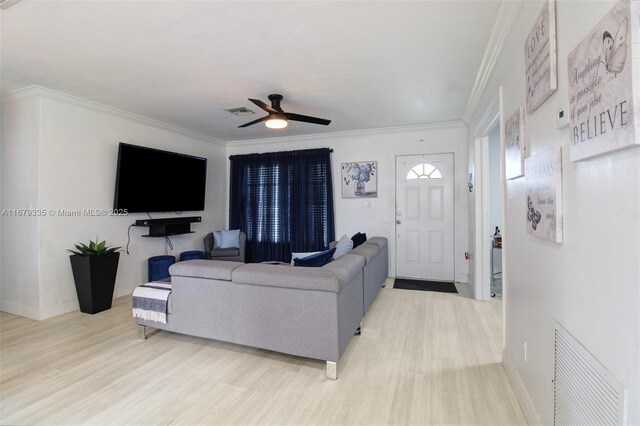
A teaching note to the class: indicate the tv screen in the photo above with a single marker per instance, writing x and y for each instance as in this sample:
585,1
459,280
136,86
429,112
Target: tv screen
151,180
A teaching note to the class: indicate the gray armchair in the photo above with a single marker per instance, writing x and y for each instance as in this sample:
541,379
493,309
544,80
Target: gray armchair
230,254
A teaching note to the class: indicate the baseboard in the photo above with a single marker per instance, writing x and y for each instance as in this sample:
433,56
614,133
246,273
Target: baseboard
529,410
20,309
44,312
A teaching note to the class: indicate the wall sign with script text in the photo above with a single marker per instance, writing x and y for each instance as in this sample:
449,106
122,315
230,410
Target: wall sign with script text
543,188
514,145
540,58
604,85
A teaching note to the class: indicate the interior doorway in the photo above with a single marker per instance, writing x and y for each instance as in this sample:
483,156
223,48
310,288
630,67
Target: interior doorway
488,205
495,213
425,217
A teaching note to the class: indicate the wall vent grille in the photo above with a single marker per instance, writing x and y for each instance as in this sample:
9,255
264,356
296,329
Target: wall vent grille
239,111
584,392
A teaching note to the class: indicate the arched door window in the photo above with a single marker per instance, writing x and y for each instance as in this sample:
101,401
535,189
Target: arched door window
424,171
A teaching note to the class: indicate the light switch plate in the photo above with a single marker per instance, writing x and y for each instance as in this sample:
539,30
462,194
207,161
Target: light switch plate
562,118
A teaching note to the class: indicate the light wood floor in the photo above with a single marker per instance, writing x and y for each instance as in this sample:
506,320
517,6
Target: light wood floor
422,358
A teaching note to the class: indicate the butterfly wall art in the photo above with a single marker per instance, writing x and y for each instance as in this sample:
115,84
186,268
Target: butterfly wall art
614,49
602,111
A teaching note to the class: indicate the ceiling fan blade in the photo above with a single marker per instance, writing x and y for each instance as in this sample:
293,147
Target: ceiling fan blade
251,123
307,119
264,106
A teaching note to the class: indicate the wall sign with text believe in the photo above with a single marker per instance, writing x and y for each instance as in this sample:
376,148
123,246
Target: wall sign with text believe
604,85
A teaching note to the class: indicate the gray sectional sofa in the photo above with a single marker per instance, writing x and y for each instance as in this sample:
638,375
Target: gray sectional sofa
308,312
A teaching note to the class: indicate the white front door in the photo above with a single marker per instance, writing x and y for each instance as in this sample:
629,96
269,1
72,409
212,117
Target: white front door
424,217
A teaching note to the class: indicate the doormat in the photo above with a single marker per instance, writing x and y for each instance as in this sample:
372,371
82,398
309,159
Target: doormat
440,286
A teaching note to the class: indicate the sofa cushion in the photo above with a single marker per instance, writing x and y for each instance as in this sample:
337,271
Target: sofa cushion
368,251
316,260
378,241
343,246
201,268
217,237
230,239
302,255
285,276
225,252
358,239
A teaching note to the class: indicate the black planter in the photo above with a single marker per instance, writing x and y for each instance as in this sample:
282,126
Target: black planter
95,278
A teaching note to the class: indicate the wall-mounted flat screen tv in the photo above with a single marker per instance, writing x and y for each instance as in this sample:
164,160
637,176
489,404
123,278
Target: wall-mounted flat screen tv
151,180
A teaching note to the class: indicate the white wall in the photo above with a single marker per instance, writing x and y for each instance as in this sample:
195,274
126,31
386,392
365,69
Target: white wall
591,282
72,165
495,194
19,271
382,146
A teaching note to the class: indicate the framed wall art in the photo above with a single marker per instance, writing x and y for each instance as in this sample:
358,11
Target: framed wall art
604,80
541,58
360,179
514,145
543,189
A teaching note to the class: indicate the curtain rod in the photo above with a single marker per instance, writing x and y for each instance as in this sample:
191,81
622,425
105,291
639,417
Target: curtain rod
330,150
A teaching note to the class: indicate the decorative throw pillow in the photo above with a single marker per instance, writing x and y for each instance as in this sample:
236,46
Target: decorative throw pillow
344,246
295,256
316,260
217,237
230,239
359,239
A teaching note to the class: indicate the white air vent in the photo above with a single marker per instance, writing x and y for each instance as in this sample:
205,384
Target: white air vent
4,4
239,111
584,392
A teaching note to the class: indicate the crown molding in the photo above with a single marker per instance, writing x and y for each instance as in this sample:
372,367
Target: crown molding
350,133
507,14
64,97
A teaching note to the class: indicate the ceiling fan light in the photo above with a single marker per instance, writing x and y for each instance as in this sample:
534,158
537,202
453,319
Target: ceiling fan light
276,123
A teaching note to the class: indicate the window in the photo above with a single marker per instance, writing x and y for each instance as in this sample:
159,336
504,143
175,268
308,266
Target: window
424,171
283,201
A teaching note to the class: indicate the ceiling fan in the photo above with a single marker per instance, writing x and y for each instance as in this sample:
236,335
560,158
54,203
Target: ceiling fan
277,118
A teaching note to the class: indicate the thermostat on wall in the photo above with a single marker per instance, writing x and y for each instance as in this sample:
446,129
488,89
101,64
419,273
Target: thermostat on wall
562,119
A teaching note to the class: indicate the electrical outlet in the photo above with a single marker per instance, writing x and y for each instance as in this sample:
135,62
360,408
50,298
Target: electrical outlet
367,204
524,351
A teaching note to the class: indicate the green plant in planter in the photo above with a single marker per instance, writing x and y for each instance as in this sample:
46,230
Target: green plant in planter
94,271
94,248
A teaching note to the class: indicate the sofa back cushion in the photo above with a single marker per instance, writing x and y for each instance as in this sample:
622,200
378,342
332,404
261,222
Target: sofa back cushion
202,268
378,241
319,279
368,251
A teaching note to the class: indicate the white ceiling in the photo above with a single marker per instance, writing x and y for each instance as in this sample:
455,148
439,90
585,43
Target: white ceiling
361,64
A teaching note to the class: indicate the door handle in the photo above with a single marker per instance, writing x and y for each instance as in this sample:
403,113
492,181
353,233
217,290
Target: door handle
398,222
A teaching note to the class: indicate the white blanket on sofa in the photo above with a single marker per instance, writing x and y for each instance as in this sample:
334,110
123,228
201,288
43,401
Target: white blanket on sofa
150,301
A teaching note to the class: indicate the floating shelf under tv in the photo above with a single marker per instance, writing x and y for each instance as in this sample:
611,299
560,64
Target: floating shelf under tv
169,226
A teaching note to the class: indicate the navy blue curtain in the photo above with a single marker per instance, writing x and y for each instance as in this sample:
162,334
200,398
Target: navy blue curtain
283,201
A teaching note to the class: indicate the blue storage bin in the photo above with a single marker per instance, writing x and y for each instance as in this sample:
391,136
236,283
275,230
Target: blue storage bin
191,254
159,267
